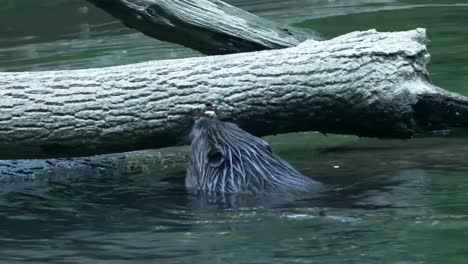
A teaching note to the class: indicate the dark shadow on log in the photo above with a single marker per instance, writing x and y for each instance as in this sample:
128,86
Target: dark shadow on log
435,112
208,26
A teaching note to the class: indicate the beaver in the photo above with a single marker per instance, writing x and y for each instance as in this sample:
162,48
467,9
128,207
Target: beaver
226,159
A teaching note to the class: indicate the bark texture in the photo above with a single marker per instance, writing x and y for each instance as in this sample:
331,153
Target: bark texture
208,26
363,83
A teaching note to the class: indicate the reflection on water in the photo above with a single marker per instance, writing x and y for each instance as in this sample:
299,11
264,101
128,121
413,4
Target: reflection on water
385,205
86,37
388,201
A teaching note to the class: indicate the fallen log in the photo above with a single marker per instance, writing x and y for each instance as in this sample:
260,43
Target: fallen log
209,26
19,173
363,83
24,173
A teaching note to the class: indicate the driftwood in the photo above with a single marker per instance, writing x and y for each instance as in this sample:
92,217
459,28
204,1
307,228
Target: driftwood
363,83
208,26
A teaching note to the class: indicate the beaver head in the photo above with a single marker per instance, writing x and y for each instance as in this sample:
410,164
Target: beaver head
224,158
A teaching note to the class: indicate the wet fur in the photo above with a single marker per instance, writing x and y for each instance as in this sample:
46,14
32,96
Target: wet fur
226,159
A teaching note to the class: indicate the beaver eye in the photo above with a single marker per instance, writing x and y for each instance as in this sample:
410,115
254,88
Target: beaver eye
215,158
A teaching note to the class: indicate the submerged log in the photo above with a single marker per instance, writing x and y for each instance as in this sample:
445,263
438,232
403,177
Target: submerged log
363,83
208,26
22,173
19,173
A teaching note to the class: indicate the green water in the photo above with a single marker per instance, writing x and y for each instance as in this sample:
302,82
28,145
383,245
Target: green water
395,201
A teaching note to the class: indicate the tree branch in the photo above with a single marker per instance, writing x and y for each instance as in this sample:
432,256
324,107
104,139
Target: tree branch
208,26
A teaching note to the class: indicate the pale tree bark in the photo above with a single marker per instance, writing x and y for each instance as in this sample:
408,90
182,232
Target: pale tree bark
208,26
363,83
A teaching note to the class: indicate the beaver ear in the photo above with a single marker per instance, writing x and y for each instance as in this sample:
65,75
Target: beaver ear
215,156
